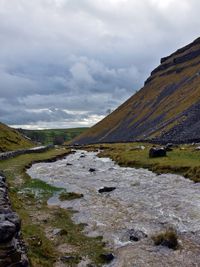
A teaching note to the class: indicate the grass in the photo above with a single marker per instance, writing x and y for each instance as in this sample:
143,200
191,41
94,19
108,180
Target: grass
69,196
183,160
168,238
29,199
10,139
47,136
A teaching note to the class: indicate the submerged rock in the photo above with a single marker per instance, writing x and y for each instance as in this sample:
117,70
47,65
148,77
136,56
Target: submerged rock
92,170
106,189
136,235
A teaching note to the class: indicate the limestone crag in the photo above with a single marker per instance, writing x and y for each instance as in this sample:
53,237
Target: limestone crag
165,110
12,249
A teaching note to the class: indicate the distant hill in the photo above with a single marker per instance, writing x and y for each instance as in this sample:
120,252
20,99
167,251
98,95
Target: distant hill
11,139
50,136
166,109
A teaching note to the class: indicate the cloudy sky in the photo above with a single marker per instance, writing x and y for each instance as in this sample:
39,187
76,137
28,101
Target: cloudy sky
65,63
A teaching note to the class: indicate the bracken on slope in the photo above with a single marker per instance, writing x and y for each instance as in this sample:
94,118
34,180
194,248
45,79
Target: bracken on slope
166,109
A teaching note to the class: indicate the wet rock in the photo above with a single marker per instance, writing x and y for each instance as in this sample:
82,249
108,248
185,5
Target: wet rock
107,257
69,164
60,232
56,231
106,189
82,156
155,152
136,235
67,258
92,170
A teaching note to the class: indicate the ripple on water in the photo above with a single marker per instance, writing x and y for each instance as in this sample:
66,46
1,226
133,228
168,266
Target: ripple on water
142,200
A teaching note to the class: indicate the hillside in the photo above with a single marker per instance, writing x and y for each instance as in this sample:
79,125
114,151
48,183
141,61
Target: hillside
166,109
10,139
49,136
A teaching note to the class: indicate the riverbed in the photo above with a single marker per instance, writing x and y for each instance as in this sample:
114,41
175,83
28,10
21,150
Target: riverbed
142,202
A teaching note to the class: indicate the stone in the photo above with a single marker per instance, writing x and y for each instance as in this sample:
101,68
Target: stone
7,231
136,235
155,152
67,258
106,189
107,258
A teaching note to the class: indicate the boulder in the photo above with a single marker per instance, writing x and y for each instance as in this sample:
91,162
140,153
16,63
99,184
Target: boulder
106,189
155,152
136,235
7,231
107,257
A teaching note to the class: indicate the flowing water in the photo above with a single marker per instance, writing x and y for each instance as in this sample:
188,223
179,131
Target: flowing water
142,201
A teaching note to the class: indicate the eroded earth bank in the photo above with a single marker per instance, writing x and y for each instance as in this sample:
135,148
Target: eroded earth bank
140,206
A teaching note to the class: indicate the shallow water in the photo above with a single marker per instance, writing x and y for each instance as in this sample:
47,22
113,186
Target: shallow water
142,201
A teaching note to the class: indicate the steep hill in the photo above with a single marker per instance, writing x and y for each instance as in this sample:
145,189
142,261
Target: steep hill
10,139
166,109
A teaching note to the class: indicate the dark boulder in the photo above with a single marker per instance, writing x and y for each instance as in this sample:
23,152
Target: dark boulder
106,189
107,257
136,235
155,152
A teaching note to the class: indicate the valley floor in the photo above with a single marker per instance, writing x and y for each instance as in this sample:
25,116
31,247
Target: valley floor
52,239
183,159
49,232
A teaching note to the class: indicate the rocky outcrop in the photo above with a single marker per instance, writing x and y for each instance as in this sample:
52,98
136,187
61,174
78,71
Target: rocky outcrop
166,109
12,249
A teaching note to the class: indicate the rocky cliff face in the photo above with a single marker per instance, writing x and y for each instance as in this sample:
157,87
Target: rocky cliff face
12,250
166,109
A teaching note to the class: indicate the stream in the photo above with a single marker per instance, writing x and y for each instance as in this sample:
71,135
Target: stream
142,202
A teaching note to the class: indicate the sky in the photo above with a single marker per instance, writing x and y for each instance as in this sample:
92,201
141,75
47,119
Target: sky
68,63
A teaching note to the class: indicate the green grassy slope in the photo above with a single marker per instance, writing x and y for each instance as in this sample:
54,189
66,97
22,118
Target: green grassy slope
162,109
10,139
48,136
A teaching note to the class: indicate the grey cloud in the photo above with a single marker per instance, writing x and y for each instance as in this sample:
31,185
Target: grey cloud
84,56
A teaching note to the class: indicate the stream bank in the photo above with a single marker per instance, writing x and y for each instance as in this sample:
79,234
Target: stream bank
142,202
